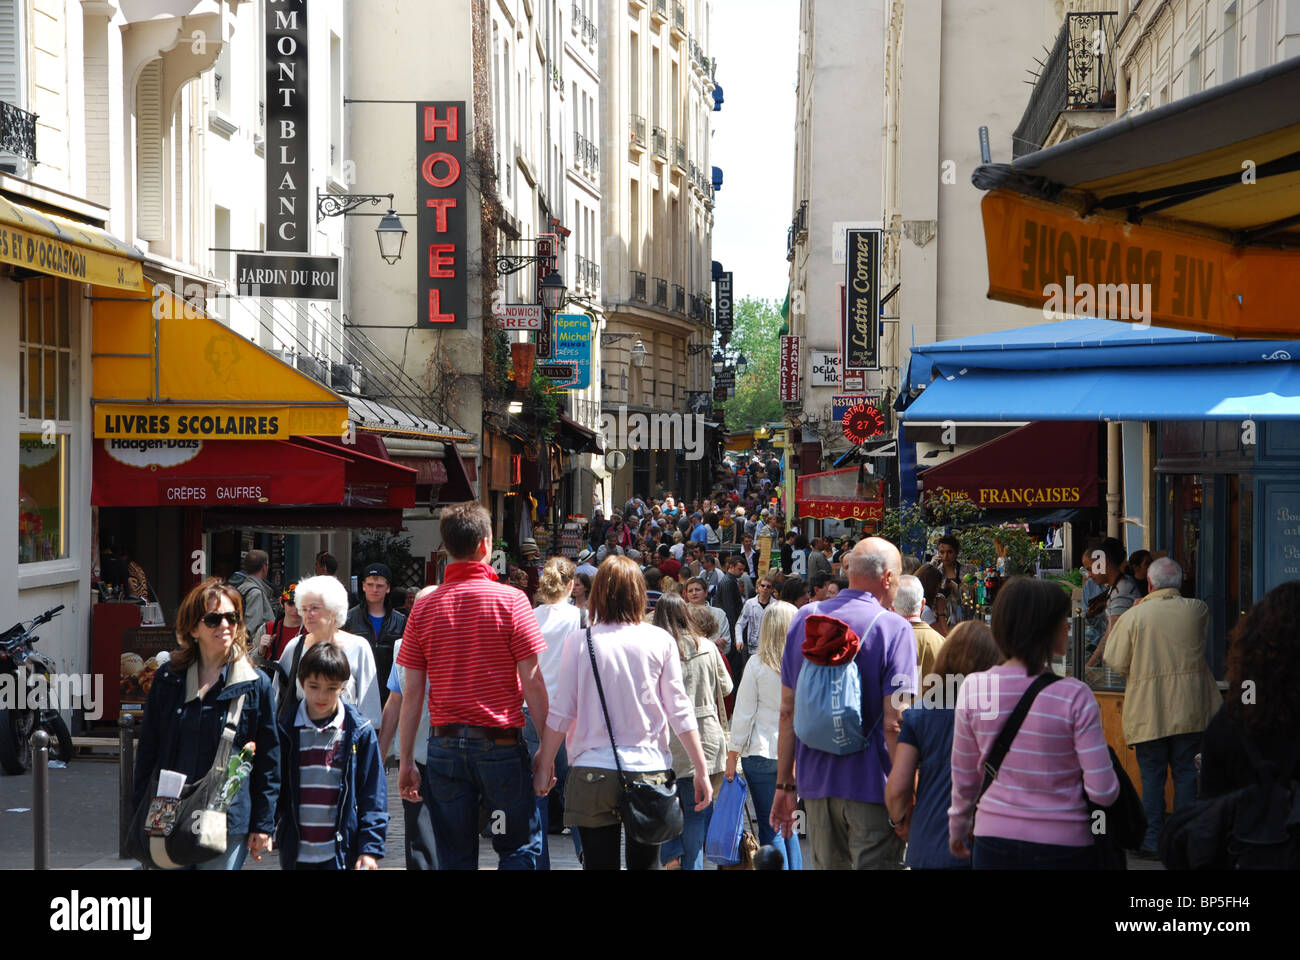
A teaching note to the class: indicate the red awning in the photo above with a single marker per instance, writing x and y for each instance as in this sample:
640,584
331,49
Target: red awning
847,494
180,473
301,519
371,481
1040,465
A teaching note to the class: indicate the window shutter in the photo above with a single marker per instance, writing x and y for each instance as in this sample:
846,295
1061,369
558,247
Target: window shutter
10,60
148,153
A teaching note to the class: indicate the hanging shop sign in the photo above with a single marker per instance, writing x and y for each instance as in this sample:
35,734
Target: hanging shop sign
573,346
723,320
518,316
287,276
560,374
547,245
288,201
841,403
824,368
860,332
440,203
699,401
863,421
789,368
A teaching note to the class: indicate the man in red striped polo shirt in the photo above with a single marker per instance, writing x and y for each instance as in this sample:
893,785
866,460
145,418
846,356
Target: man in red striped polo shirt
472,645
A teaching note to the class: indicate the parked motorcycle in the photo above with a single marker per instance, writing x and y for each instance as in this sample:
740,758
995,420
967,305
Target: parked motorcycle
18,718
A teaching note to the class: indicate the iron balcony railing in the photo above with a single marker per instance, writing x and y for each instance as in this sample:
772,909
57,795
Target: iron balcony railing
17,131
585,153
638,286
1079,75
637,125
660,137
661,292
679,153
679,298
579,271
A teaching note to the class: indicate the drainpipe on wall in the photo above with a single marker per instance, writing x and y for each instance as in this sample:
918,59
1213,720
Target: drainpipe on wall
1114,496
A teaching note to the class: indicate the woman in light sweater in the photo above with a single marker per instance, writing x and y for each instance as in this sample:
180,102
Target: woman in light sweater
705,677
754,727
641,674
1035,814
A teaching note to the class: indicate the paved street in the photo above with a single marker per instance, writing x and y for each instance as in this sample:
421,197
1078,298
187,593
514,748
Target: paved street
83,835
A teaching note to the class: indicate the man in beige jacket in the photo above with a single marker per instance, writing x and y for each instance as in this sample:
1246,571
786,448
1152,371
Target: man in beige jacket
1171,694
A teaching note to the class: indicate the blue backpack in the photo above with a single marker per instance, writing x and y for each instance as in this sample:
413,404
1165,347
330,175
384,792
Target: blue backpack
828,695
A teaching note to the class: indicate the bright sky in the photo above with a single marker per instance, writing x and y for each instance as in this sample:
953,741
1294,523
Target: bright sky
756,43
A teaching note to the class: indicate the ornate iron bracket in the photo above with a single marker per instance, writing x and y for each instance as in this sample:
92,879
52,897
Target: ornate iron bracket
340,204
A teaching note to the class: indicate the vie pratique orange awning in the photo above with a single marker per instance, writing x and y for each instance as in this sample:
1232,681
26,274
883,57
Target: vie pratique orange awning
1185,216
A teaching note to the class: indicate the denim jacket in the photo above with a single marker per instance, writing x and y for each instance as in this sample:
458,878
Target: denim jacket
363,797
182,733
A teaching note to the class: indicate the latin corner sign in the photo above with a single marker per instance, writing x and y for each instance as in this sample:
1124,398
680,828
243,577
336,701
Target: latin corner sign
441,232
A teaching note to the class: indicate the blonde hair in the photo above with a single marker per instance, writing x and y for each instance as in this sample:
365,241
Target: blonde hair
555,581
772,632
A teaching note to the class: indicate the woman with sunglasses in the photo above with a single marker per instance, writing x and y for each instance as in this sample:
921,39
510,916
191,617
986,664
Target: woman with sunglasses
186,711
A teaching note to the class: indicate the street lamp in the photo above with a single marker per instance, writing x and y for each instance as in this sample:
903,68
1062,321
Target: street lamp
741,365
392,236
390,232
639,353
553,291
719,362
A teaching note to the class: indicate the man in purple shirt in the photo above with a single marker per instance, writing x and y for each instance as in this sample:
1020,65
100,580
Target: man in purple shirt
844,796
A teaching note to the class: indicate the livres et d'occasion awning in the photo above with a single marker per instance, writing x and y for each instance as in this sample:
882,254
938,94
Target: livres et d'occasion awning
1102,370
1196,203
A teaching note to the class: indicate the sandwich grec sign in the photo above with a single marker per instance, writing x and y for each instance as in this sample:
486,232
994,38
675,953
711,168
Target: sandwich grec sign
441,228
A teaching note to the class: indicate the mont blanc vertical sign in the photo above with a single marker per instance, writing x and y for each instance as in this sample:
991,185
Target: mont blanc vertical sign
441,230
862,286
288,204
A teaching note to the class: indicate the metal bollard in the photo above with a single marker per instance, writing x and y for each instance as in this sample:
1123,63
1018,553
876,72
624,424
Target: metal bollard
41,799
125,780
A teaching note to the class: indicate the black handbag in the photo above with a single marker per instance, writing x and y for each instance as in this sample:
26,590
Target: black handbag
650,812
172,832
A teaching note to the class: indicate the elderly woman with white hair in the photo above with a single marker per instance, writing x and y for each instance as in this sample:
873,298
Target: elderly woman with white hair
323,606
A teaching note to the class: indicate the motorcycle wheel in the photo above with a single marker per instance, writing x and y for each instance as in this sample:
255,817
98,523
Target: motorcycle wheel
61,749
15,750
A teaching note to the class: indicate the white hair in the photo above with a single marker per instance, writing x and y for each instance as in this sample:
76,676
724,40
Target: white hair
910,598
329,592
1164,573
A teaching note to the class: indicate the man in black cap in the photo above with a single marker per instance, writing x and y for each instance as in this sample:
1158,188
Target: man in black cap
376,620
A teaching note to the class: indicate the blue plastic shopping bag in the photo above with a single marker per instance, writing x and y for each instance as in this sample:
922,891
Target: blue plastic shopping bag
722,844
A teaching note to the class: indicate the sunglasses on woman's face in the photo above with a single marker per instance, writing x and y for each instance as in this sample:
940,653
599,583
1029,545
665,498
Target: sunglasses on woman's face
213,620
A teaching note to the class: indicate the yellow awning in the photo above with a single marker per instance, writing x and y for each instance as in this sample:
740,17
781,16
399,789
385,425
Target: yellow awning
165,370
60,247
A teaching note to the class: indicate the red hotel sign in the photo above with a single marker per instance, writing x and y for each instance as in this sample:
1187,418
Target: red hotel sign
441,230
790,368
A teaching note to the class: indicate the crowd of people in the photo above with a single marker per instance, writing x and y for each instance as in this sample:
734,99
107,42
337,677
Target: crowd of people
670,656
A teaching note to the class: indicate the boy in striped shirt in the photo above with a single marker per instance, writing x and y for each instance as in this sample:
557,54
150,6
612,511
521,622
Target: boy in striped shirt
334,811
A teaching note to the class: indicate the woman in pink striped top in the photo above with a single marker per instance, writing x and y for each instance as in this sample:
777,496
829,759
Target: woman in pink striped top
1035,814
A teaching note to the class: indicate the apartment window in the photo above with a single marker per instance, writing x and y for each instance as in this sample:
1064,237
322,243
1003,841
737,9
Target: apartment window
634,71
654,90
45,399
634,234
13,83
1229,43
1264,35
1194,72
221,81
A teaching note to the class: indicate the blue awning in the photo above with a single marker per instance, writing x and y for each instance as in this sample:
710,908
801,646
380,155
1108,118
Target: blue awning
717,178
1103,370
717,95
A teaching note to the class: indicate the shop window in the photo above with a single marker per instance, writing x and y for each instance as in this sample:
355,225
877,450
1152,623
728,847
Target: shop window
45,408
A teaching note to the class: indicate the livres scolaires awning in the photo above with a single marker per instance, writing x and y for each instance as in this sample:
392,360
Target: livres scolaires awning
1037,466
165,371
1102,370
1194,206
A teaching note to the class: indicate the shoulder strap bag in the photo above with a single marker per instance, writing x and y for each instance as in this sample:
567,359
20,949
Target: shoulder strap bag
1002,744
651,813
172,832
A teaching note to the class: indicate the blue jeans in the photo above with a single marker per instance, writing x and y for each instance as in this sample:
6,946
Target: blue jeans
998,853
1178,754
466,775
421,848
760,773
695,828
533,741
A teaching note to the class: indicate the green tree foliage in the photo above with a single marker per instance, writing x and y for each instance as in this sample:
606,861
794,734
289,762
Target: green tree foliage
756,334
